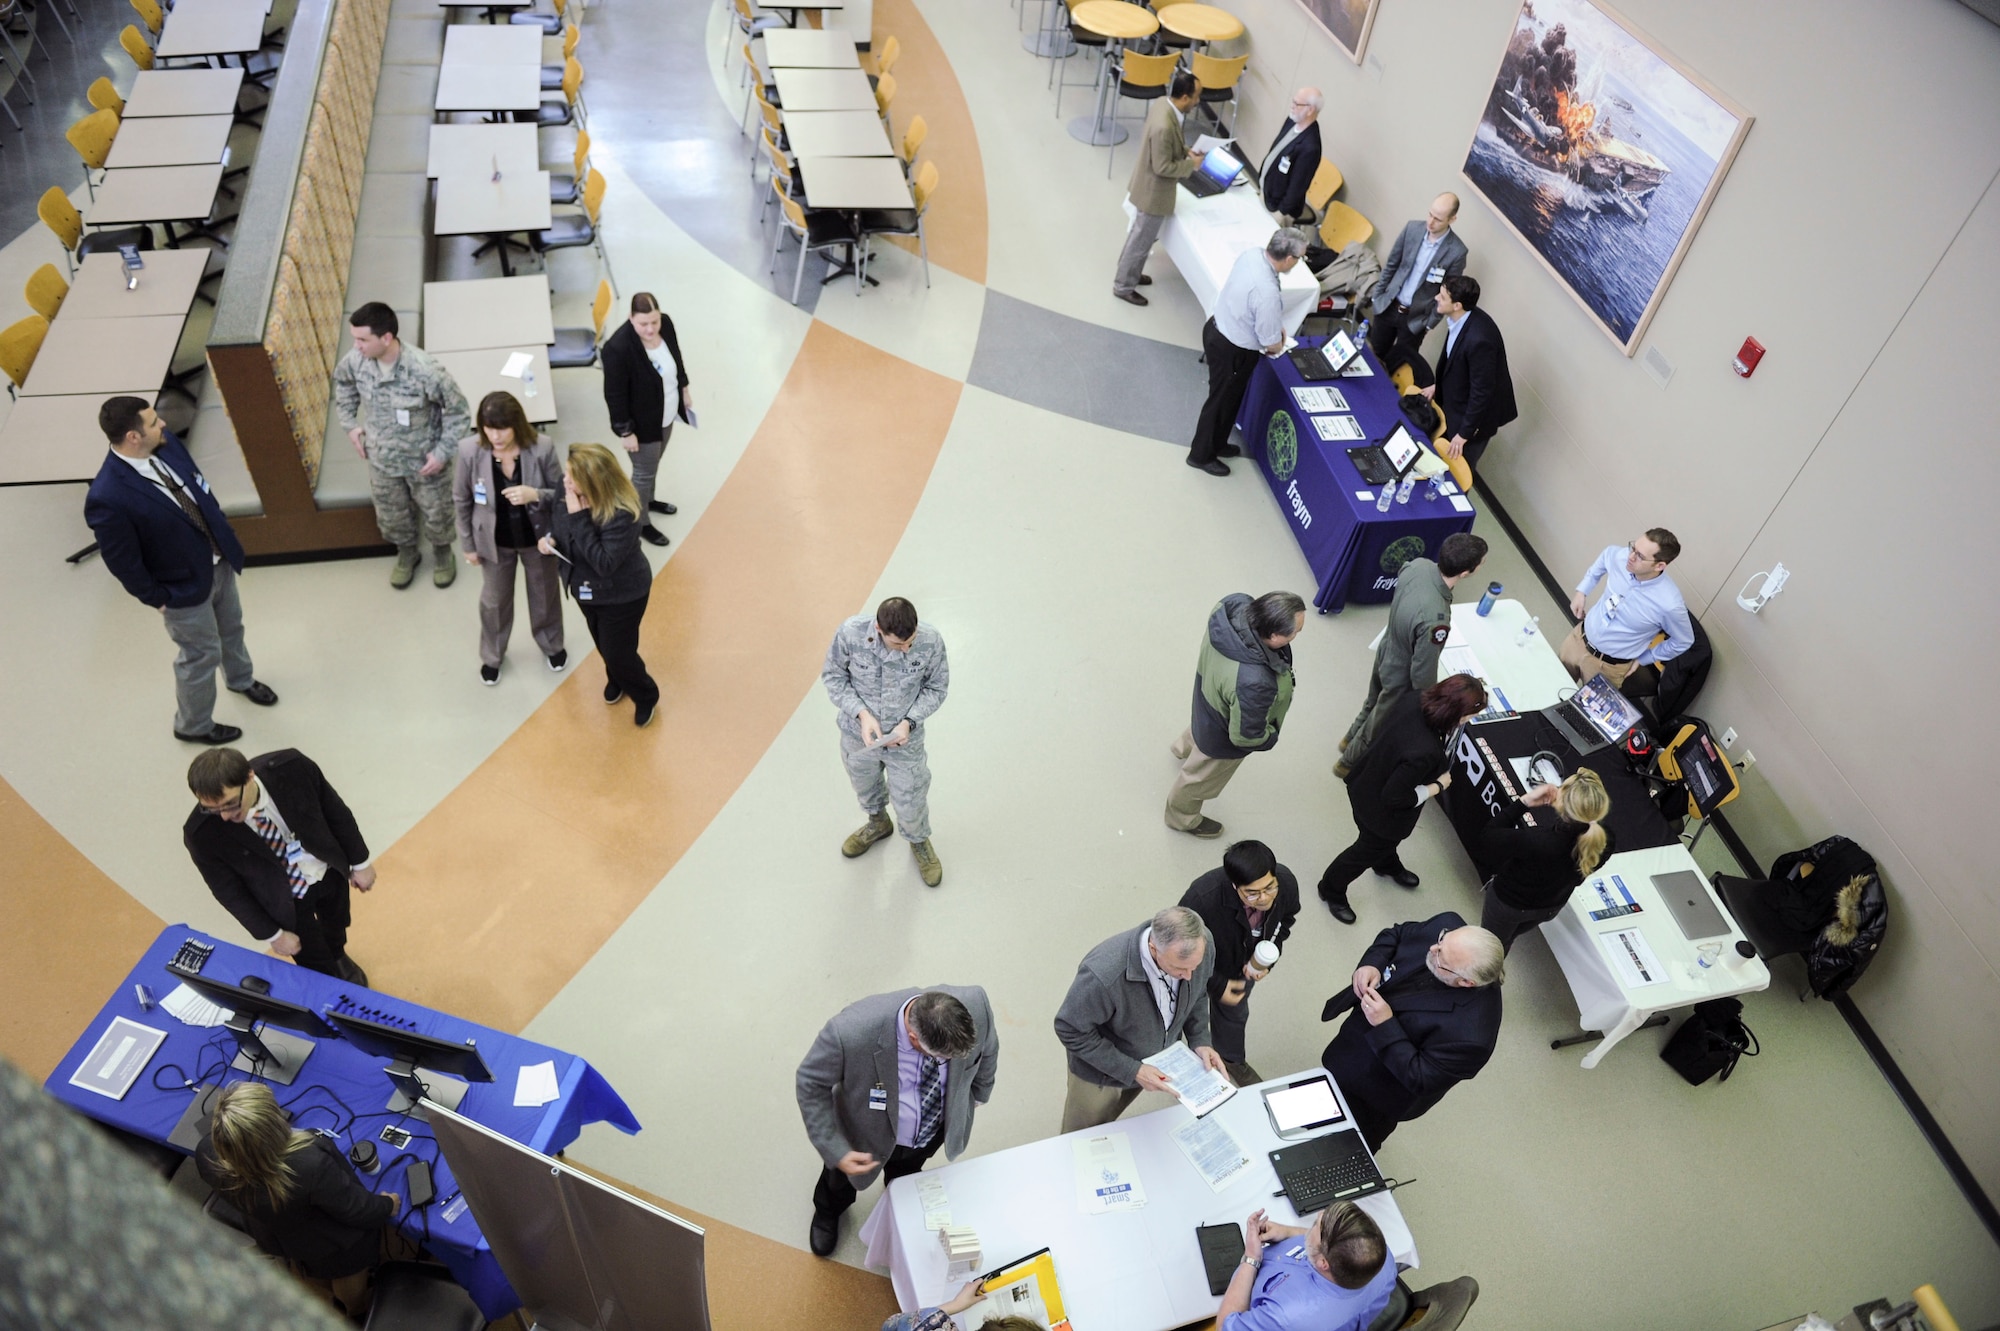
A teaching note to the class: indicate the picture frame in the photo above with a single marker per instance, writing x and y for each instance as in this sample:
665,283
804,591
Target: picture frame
1348,22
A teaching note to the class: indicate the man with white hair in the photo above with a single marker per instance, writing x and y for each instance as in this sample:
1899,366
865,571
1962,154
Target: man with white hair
1293,159
1426,1015
1249,321
1134,994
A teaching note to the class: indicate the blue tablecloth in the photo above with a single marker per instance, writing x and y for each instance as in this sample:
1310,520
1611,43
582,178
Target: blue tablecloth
1354,551
342,1088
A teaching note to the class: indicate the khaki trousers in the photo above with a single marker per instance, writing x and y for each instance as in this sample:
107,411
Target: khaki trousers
1583,663
1200,778
1088,1105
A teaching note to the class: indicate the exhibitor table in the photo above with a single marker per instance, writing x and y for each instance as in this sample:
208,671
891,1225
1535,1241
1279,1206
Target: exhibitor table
1354,550
1205,237
343,1089
1127,1270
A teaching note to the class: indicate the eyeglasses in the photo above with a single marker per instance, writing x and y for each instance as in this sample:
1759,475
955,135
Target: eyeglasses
1437,950
234,804
1633,546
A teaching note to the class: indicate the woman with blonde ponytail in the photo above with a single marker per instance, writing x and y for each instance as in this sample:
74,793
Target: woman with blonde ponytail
1539,858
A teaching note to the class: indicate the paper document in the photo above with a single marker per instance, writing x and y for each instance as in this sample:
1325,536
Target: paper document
517,364
535,1085
1208,143
1459,660
1197,1087
1320,399
1632,958
1107,1179
192,1009
1336,428
937,1206
1461,503
1216,1155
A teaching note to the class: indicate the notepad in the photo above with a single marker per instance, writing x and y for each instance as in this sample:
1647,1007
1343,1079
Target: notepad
517,364
535,1085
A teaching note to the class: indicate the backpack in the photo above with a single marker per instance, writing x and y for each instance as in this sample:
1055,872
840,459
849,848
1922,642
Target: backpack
1710,1041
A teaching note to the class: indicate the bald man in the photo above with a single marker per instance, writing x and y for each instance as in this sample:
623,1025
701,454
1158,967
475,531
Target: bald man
1294,156
1404,299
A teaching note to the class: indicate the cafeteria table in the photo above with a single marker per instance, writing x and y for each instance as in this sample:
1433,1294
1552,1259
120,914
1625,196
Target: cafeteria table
473,203
1117,22
183,92
823,90
47,439
802,6
108,356
488,312
170,141
168,195
507,147
491,8
482,44
836,134
1201,24
477,373
210,28
809,48
853,185
488,88
167,285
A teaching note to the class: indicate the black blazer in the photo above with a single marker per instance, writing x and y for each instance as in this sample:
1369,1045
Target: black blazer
1285,189
1473,385
244,873
148,542
1534,868
1213,897
634,393
330,1225
1405,755
1438,1037
605,560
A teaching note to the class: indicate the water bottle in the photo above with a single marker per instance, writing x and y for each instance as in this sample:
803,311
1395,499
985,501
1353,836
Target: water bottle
1529,632
528,380
1431,494
1407,488
1386,498
1486,601
1361,334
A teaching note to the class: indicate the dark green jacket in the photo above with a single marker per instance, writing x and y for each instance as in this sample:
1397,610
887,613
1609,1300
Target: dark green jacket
1242,688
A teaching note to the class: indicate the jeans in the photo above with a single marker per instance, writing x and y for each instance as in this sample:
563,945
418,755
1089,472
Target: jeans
209,635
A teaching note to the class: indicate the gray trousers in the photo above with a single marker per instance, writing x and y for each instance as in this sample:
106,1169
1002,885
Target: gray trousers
886,776
1089,1105
407,506
1138,244
1200,778
646,472
496,602
1368,721
209,635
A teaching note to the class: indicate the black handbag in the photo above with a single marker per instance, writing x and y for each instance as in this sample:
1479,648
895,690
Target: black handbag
1710,1041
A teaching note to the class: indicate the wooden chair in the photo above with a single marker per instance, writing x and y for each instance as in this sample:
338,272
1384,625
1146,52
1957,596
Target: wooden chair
21,342
885,93
104,96
814,229
60,216
1343,226
1218,80
576,347
150,14
91,137
552,74
135,46
902,221
1139,78
885,59
1326,183
46,290
913,139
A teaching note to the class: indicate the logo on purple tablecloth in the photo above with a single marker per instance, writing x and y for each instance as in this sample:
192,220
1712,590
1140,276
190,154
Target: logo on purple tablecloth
1281,445
1400,552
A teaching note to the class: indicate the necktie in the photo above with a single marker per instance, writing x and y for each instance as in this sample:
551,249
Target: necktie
188,506
930,1100
277,842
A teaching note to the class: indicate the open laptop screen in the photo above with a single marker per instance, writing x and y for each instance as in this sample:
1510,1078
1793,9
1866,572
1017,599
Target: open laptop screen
1221,165
1607,708
1401,449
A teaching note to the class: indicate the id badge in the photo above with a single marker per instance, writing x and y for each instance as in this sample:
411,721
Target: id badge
402,415
583,591
202,481
1435,275
479,492
1284,166
878,1100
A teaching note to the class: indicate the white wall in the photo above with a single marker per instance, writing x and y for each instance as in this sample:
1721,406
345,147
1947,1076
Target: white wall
1858,237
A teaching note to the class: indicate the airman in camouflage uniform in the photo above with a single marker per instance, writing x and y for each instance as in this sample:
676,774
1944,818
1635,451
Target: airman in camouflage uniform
886,675
406,416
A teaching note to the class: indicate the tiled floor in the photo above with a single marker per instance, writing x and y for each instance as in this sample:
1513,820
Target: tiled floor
1004,448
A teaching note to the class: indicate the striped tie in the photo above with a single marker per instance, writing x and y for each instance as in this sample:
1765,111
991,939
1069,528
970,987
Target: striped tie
930,1100
276,841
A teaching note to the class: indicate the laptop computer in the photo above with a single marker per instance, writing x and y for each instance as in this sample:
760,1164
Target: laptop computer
1217,172
1324,1170
1327,360
1386,463
1691,906
1596,716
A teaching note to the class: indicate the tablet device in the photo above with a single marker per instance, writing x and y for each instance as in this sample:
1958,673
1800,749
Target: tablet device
1303,1107
1221,1250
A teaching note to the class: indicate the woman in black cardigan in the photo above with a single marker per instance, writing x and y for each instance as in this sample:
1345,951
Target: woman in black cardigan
1537,868
635,362
597,535
1405,767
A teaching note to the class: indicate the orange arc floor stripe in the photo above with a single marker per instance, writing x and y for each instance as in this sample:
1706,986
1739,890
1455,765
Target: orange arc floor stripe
498,896
955,227
70,937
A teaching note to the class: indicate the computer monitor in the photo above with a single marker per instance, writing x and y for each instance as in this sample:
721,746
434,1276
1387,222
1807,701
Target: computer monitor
412,1055
273,1055
1607,709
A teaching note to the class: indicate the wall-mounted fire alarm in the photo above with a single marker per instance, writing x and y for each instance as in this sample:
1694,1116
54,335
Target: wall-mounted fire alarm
1747,357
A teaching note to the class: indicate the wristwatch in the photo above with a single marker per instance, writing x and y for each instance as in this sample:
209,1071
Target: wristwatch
1252,1262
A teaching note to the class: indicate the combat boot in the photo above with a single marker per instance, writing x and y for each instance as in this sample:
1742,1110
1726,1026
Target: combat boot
927,863
877,827
407,559
446,571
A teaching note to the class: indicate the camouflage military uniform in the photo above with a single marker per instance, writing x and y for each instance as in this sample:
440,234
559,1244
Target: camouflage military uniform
410,411
863,671
1419,623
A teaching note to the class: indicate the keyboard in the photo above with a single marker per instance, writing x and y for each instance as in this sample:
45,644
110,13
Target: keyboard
1326,1169
1312,363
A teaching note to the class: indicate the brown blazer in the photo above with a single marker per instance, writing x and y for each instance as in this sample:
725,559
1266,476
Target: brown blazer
1163,159
539,467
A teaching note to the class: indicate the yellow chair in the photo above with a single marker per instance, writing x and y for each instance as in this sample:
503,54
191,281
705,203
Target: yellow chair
1139,78
1405,383
104,96
151,14
135,46
913,139
576,347
569,110
20,343
815,230
552,74
46,290
1326,183
91,137
885,59
600,306
759,83
572,229
885,93
902,221
780,164
569,188
1343,226
1218,79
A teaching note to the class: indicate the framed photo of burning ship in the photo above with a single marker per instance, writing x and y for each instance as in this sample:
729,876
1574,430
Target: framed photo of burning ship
1348,22
1601,153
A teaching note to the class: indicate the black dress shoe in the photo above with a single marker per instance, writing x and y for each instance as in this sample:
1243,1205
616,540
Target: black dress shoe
1213,467
652,535
218,735
662,506
349,971
1400,876
1144,280
1228,451
1341,910
259,693
825,1233
1131,297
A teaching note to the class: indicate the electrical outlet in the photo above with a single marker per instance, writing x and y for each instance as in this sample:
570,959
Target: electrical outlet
1729,737
1749,760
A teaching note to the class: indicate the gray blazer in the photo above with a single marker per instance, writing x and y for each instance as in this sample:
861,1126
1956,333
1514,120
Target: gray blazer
539,467
1109,1021
1450,256
856,1052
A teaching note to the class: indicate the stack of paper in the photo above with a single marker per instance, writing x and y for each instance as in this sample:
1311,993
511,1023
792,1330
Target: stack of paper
1107,1178
1199,1087
192,1009
535,1085
931,1196
961,1251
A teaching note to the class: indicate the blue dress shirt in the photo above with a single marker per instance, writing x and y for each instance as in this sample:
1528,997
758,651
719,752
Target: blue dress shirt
1623,621
1249,310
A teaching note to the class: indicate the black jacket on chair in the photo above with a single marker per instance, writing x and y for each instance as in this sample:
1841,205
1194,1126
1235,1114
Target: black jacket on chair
244,873
1285,187
331,1223
1473,386
634,392
1438,1036
1405,755
1534,868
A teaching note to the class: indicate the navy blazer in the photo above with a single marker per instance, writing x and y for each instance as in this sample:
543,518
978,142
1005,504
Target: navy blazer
147,541
1474,389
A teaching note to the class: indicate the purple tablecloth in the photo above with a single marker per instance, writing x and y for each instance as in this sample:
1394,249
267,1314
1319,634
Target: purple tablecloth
342,1088
1354,551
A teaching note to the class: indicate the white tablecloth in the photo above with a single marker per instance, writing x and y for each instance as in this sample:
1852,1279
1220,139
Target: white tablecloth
1526,670
1204,237
1120,1271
